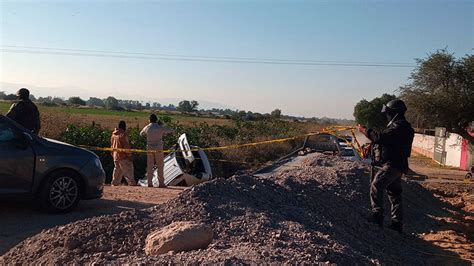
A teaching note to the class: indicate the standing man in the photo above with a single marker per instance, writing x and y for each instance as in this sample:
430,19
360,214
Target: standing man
154,139
25,112
123,163
391,149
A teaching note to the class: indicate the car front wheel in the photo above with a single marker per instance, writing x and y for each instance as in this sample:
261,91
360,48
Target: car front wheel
60,193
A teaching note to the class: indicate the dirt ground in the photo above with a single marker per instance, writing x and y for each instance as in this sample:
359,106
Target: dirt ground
297,215
448,226
456,231
425,168
20,221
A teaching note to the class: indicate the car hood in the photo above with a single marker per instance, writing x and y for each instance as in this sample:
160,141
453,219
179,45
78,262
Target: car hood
66,147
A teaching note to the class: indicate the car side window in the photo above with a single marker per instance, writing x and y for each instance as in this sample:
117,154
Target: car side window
8,136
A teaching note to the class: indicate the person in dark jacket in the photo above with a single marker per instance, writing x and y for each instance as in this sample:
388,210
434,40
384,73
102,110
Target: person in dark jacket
391,149
25,112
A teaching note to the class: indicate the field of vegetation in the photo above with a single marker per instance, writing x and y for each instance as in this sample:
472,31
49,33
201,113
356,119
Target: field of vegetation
92,127
109,118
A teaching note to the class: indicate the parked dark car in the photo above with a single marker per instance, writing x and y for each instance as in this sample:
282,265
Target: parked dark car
53,174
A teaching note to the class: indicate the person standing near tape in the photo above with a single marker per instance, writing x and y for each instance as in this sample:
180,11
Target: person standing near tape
391,149
123,163
154,139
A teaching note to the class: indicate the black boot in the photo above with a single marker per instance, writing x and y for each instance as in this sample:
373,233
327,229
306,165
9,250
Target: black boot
396,226
377,218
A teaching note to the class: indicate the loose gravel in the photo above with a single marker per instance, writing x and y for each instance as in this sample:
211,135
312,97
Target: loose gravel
315,211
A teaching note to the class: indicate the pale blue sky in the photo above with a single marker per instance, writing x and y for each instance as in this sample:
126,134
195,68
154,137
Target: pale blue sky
374,31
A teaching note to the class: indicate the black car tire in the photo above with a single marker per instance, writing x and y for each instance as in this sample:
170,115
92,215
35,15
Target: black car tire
60,193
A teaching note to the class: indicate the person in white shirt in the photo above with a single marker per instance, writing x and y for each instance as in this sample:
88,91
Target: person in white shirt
154,138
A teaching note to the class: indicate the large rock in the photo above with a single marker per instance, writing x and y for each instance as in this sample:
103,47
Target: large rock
178,236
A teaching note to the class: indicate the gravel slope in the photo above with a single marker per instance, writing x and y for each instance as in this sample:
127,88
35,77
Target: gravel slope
314,212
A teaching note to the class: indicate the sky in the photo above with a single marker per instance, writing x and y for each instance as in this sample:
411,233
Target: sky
349,31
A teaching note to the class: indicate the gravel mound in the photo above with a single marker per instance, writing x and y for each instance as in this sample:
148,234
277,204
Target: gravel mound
313,212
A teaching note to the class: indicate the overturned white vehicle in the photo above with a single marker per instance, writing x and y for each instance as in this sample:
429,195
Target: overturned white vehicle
186,167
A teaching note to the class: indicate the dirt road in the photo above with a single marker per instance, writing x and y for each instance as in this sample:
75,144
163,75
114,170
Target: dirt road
20,221
425,168
455,232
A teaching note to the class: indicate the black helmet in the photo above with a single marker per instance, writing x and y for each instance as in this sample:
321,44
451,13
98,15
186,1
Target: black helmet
396,106
23,93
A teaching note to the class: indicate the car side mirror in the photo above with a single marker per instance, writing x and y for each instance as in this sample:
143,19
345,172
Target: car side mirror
24,140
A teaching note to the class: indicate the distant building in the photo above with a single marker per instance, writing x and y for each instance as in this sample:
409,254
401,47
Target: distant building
445,148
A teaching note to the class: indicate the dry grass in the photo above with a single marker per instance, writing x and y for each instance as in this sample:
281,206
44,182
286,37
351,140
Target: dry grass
54,123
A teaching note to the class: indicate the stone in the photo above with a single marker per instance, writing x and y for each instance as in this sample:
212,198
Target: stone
178,237
71,243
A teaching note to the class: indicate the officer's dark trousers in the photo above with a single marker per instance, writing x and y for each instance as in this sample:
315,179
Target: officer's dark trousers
387,178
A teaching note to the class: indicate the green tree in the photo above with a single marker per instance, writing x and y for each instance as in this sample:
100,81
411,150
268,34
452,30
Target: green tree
95,102
76,101
241,114
368,113
276,113
194,105
58,101
111,103
441,93
10,97
187,106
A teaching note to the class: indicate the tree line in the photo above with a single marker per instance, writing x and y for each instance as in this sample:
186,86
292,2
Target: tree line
112,103
440,93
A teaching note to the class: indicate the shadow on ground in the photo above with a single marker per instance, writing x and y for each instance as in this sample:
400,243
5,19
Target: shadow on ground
333,211
20,220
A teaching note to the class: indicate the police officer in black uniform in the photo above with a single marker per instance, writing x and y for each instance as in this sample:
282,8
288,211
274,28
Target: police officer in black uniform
390,151
25,112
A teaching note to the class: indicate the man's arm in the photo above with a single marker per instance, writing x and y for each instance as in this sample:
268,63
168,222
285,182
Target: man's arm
126,143
144,131
39,125
384,137
13,112
112,144
37,122
111,141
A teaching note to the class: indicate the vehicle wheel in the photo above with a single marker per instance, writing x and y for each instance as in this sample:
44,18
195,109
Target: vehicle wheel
468,177
60,193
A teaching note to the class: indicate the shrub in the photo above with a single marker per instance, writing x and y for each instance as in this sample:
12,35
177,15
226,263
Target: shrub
202,135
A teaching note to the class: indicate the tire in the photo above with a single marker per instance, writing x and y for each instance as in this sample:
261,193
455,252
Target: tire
60,193
468,177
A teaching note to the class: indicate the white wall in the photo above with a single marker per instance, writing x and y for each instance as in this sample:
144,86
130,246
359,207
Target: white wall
453,150
424,144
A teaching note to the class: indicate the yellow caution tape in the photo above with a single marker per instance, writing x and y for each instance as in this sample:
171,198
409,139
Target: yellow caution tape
334,130
359,148
338,128
359,151
234,146
329,130
124,150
